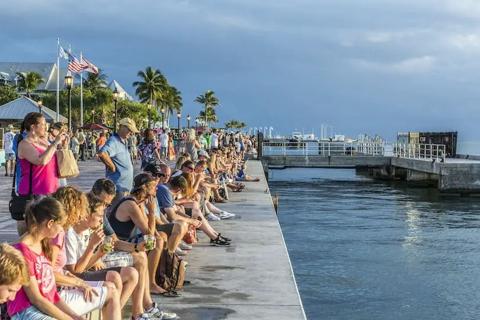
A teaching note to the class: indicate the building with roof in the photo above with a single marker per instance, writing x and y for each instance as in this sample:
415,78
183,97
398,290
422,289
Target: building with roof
48,71
14,111
123,94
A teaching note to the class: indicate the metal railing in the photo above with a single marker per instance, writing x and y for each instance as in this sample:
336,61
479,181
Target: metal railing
321,148
419,151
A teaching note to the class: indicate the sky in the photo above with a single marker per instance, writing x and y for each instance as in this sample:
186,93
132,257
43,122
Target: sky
369,66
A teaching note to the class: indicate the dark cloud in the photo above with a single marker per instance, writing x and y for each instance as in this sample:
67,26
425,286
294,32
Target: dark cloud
362,66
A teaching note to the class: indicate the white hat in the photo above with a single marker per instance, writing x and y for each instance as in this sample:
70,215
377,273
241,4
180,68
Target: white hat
203,153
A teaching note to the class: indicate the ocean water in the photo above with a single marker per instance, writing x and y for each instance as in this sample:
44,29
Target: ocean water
364,249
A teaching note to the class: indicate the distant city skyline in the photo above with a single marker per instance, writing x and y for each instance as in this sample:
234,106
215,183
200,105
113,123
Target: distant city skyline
371,66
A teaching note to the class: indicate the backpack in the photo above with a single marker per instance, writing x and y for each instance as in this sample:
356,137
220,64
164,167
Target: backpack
171,272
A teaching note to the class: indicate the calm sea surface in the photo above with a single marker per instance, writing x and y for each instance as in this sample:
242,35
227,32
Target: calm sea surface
364,249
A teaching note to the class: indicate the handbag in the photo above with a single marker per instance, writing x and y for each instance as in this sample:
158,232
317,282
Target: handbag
18,203
191,235
66,163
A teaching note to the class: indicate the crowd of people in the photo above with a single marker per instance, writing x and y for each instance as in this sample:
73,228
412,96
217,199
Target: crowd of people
79,252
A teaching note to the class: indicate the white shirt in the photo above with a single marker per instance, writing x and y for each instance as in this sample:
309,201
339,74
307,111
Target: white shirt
214,141
8,142
76,245
238,146
164,140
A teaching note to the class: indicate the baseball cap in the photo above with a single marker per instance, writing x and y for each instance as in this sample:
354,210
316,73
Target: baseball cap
141,180
129,123
153,169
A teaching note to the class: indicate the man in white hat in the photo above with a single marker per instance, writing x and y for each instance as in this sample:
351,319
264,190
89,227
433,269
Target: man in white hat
8,138
116,157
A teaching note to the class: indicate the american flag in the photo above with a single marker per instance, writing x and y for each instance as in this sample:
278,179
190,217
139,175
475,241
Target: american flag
76,66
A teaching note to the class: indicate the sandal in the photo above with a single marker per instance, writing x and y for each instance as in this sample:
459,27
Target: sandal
219,242
224,238
170,294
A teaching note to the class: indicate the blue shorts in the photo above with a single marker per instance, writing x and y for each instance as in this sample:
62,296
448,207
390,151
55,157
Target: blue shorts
31,313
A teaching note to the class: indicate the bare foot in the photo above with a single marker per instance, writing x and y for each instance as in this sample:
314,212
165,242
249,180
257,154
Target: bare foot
156,289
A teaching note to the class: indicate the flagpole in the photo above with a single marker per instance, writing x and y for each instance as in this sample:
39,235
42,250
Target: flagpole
81,92
57,116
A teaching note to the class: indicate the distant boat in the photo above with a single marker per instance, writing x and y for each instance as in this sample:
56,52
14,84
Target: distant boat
297,135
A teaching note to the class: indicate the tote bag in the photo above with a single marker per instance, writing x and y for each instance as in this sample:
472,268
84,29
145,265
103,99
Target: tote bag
67,165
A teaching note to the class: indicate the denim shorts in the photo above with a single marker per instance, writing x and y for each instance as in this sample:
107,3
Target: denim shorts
31,313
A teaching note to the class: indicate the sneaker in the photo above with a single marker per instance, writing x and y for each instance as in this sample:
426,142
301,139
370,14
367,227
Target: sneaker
185,246
219,242
226,215
155,313
180,252
143,316
212,217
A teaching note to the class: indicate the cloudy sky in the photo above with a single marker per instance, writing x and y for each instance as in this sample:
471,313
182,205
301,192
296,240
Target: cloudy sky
370,66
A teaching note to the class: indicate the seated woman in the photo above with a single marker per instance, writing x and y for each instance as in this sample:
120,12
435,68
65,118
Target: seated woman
39,298
75,206
175,230
128,217
13,272
189,200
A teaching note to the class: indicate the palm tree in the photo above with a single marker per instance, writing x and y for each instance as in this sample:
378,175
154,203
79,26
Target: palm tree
235,124
210,116
29,81
231,124
150,87
95,80
209,100
172,101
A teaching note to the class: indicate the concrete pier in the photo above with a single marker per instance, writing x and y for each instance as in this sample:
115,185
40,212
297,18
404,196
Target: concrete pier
251,279
451,175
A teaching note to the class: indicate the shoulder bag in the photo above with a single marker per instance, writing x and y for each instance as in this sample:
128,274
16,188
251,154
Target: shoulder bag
18,203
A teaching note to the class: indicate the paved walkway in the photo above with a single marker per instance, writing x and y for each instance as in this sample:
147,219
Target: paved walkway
252,279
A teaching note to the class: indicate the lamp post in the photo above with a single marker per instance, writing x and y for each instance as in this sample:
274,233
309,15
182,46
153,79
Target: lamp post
179,116
40,105
163,118
188,121
115,100
69,85
149,109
